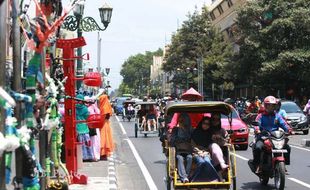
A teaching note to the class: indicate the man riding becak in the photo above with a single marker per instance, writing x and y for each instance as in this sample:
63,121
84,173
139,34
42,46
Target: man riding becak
269,121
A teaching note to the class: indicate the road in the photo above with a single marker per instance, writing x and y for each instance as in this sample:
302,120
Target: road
145,168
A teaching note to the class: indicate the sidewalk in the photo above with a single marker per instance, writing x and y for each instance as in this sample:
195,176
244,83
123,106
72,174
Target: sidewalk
101,175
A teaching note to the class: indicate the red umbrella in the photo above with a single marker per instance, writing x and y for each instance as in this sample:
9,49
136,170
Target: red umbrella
191,94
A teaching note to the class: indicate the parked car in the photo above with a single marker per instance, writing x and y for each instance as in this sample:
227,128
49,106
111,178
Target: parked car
239,130
295,116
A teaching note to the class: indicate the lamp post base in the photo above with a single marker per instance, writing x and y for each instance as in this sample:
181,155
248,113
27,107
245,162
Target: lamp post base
79,179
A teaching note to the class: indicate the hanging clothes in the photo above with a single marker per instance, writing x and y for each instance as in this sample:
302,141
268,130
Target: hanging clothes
107,144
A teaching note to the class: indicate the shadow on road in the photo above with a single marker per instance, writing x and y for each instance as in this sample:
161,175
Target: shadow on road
160,162
256,186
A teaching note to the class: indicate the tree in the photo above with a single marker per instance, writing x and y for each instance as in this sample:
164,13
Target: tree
197,38
136,72
275,44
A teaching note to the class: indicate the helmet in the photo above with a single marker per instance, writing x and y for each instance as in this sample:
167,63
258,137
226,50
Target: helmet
270,100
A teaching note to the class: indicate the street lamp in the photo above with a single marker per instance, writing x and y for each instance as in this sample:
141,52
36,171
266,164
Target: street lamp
87,24
76,22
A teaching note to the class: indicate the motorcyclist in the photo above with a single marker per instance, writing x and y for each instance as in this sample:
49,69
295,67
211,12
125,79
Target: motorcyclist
252,108
280,111
270,121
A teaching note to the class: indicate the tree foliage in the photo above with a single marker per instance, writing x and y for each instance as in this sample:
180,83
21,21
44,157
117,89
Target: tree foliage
274,43
136,73
197,38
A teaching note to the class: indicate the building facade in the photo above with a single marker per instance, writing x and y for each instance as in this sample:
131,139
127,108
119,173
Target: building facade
223,14
160,80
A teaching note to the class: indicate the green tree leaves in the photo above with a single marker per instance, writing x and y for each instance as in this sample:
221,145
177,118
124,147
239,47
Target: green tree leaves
274,42
136,73
195,39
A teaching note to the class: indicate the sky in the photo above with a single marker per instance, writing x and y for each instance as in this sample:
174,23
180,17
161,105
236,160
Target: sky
136,26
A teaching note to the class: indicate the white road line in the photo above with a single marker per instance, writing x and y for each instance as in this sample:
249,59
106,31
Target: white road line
241,157
121,125
300,148
145,172
147,176
299,182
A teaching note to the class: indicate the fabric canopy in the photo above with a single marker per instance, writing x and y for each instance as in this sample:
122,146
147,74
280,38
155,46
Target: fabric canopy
191,94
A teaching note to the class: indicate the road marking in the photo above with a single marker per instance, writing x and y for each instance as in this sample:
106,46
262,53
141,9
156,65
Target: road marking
299,182
147,176
300,148
241,157
121,125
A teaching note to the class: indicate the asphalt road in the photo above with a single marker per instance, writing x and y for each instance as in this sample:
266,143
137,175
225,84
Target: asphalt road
145,169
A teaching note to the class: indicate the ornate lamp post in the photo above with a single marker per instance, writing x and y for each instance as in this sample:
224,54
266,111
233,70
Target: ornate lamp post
87,24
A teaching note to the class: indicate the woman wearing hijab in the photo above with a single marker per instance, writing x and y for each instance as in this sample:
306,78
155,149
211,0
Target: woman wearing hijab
83,130
107,144
218,139
181,140
202,138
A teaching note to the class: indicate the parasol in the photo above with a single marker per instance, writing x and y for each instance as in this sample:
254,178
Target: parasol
191,94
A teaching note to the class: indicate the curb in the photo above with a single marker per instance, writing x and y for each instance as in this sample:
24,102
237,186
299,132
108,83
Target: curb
112,173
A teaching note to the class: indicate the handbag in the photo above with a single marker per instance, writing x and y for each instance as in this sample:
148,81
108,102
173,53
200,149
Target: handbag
184,147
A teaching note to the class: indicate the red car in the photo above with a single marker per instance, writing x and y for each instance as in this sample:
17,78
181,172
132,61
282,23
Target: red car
239,130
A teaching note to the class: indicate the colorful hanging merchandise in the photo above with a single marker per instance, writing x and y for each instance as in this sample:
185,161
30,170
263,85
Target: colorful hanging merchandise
31,167
41,30
52,123
10,141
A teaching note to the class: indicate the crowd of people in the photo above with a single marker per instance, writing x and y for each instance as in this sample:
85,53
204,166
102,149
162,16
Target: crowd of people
96,141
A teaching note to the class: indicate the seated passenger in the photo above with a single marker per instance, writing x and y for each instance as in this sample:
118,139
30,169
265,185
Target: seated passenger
202,138
130,109
150,118
218,139
141,115
181,140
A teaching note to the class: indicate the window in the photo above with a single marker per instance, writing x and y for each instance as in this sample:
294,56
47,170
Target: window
212,16
230,32
229,2
220,9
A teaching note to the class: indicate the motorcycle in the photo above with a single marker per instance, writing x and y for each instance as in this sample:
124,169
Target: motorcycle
272,158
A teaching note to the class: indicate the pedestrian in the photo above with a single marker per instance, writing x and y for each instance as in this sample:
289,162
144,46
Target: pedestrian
107,144
94,133
83,130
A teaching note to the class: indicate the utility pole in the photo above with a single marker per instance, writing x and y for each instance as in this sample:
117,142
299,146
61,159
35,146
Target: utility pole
3,47
200,75
99,53
16,85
